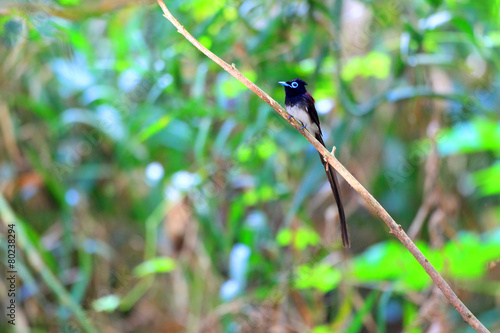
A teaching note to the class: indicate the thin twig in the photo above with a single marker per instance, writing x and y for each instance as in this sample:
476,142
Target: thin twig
422,213
395,228
431,194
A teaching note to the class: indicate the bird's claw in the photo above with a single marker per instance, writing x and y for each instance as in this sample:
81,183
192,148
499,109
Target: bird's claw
290,117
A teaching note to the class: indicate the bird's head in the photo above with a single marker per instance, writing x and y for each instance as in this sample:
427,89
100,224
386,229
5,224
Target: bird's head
294,87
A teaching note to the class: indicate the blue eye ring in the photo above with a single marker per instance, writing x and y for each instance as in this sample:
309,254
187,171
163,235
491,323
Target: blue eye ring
295,84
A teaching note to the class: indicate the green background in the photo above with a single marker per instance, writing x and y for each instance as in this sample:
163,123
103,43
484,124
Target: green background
151,191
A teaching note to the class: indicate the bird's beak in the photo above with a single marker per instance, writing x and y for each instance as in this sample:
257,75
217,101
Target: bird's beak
284,84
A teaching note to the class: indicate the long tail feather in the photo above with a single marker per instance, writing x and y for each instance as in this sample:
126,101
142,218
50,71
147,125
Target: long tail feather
330,173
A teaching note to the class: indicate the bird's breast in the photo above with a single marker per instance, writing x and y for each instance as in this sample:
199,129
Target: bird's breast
301,114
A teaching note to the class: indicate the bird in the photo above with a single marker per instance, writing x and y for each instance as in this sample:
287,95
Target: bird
300,105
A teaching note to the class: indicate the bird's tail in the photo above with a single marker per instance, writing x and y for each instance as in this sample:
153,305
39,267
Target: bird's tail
332,178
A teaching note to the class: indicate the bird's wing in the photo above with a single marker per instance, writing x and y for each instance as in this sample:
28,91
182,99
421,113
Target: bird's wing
311,109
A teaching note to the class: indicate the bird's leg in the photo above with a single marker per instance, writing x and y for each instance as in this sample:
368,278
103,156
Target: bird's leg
303,126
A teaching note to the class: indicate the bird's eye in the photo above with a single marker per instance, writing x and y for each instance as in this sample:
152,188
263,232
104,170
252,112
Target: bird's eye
295,84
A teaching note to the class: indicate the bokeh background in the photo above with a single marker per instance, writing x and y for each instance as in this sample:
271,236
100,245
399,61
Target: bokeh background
152,192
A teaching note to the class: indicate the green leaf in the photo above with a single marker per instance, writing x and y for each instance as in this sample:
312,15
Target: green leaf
243,153
250,197
266,148
388,261
107,303
357,322
322,277
469,137
410,314
375,64
468,256
69,2
304,237
321,329
154,128
201,9
487,180
284,237
155,265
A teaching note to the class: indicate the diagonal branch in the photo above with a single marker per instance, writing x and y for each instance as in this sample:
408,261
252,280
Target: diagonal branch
395,228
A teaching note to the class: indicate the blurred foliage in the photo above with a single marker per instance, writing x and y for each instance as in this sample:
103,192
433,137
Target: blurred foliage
151,191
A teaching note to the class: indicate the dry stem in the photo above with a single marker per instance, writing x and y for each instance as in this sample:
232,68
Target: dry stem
395,228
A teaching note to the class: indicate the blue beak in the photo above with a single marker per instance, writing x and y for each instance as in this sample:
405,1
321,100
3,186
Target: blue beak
284,84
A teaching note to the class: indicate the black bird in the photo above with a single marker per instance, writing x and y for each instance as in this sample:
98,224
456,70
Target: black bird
300,105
